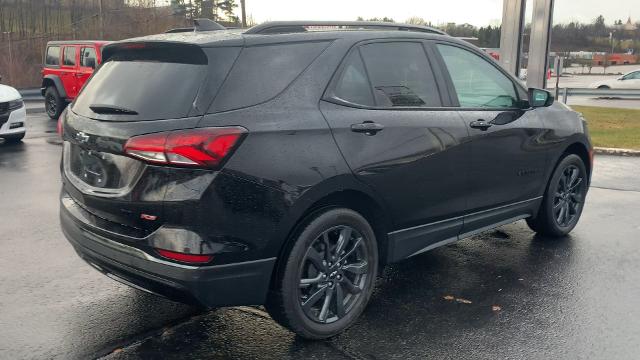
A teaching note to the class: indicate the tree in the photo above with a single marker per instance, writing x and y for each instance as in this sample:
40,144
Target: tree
384,19
415,20
204,8
599,26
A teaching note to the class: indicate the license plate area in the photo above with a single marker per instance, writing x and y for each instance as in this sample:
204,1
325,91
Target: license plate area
100,173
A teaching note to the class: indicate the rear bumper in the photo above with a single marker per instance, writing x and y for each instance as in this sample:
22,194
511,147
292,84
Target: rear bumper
244,283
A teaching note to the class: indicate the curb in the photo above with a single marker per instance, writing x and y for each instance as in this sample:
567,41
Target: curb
616,152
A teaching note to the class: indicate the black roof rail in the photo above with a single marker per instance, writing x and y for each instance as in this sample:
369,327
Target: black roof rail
283,27
199,25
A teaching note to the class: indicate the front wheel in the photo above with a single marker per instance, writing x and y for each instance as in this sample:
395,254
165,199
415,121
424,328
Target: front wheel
328,277
53,103
563,200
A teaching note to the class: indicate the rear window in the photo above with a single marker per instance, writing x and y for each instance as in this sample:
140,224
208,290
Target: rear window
138,82
262,72
400,74
53,56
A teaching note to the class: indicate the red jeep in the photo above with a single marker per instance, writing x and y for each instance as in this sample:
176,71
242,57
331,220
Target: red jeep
67,66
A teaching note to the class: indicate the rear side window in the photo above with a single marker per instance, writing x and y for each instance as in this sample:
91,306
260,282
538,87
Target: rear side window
69,56
263,72
353,84
88,57
53,56
400,74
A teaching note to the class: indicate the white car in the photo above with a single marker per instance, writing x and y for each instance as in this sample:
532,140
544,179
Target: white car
627,81
12,114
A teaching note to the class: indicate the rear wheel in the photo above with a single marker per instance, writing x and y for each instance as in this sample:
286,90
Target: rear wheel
603,87
563,200
53,103
328,276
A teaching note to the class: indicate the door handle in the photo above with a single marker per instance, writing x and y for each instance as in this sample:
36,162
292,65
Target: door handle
78,75
368,128
480,124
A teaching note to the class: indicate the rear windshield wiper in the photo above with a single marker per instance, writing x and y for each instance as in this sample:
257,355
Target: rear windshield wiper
110,109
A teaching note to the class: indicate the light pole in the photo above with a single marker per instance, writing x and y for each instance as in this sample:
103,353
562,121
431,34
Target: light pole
612,40
244,13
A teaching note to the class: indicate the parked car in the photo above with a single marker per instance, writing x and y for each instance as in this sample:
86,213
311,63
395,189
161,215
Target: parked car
629,80
67,66
12,114
285,167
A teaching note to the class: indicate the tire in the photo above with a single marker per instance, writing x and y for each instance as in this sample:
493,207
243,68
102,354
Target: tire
561,205
53,103
354,280
604,87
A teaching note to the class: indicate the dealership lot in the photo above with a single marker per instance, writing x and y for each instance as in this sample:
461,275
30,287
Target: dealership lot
502,294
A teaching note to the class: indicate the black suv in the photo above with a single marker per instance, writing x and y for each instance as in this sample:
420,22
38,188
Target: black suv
286,164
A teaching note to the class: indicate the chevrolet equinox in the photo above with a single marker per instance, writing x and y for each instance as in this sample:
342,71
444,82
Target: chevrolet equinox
285,164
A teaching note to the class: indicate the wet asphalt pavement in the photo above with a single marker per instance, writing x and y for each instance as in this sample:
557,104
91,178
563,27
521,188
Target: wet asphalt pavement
504,294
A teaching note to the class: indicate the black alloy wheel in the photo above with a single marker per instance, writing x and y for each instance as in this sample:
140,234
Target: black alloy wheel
563,200
333,274
568,196
325,279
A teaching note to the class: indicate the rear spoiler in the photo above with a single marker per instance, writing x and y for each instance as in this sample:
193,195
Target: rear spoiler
199,25
166,51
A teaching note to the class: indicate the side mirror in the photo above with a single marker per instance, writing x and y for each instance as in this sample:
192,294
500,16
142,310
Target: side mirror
539,98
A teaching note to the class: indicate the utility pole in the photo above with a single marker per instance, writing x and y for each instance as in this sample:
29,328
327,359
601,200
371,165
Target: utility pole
10,57
244,13
612,40
101,14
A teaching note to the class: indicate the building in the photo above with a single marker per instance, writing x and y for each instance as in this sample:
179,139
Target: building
615,59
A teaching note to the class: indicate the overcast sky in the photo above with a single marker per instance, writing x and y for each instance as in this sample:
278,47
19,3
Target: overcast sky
476,12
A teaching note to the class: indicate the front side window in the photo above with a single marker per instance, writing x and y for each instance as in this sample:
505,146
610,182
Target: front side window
53,56
478,83
400,74
69,56
88,57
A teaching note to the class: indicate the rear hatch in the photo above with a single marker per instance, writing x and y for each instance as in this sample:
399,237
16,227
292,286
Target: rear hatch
141,88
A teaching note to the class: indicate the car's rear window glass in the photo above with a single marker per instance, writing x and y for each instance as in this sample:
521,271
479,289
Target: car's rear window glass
139,83
400,74
262,72
69,56
53,56
353,84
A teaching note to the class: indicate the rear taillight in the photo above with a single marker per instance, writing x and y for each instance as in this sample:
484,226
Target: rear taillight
185,258
206,147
